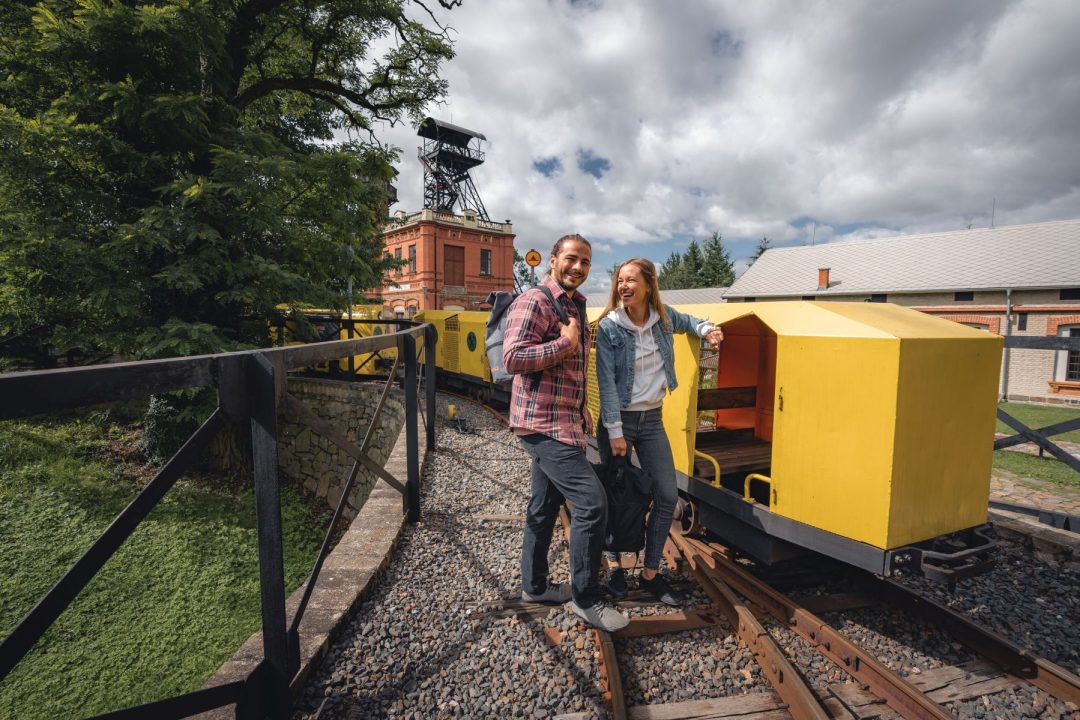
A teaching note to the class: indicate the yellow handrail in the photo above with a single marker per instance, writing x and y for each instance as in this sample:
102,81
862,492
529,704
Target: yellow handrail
716,466
767,480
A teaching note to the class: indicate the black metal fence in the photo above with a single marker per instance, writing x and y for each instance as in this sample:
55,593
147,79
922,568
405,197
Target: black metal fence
1040,436
251,389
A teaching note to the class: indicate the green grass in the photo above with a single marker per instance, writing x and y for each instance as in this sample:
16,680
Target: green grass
176,600
1037,416
1039,468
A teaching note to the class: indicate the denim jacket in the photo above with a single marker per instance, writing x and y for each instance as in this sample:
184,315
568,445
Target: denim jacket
615,358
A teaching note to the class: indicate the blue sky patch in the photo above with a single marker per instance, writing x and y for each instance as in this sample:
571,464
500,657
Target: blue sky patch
591,163
548,166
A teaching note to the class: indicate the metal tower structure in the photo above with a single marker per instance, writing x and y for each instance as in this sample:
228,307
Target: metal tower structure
448,153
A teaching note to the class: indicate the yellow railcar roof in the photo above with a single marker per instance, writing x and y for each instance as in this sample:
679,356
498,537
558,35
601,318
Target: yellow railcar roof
801,318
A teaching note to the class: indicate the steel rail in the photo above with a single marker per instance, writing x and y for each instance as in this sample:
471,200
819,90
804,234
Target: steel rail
785,679
897,692
1001,651
609,662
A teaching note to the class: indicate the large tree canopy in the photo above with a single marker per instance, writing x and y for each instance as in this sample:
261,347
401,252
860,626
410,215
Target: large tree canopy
172,170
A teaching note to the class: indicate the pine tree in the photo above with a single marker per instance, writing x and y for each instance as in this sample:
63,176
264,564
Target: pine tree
670,274
762,246
717,268
693,266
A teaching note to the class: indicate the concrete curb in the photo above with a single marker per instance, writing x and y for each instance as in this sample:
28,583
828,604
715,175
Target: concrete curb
347,576
1048,543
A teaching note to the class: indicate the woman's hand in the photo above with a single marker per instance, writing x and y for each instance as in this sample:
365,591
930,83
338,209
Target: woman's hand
715,337
618,446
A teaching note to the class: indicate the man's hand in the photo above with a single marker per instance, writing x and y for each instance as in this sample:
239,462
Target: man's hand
618,446
572,331
715,337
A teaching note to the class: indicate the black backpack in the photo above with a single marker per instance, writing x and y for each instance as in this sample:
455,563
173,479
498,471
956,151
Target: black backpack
495,331
629,490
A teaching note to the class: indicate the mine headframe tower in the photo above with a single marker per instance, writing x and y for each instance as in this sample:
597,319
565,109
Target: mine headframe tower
448,153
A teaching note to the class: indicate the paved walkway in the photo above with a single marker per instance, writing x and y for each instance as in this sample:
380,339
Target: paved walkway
1010,488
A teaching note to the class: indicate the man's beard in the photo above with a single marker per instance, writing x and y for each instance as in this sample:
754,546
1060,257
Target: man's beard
560,282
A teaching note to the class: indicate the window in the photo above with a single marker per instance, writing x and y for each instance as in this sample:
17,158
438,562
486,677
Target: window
1072,362
485,262
878,297
397,256
1021,321
809,297
749,299
1070,294
964,295
412,259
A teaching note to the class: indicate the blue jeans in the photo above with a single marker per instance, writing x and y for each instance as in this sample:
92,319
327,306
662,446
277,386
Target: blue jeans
561,471
644,432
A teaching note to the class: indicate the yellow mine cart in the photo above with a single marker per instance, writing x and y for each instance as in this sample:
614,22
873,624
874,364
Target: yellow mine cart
860,430
460,353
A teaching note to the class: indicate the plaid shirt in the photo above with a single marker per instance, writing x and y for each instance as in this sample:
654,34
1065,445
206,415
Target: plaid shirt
554,406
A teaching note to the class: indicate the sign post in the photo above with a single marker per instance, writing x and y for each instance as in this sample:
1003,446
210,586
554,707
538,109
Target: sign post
532,259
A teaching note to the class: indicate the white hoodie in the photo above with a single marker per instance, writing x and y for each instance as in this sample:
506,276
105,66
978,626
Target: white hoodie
650,382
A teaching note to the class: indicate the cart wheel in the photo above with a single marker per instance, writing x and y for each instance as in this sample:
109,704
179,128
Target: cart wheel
685,518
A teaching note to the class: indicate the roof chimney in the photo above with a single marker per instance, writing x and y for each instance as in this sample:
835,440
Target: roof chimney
823,279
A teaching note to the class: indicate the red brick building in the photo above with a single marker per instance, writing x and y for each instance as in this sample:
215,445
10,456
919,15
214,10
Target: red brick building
451,261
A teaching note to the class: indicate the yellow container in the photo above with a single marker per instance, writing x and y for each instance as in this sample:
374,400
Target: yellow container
460,346
877,420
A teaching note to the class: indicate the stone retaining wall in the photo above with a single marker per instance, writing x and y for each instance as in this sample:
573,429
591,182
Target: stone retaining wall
308,459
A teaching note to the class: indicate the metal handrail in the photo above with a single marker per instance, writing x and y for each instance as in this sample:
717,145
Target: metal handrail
251,388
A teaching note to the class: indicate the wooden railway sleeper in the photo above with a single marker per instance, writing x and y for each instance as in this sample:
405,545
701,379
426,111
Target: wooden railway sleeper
788,683
897,692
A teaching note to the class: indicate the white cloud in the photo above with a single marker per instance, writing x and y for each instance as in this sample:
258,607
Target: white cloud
757,119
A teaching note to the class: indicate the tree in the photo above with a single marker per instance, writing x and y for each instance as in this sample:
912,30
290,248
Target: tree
670,274
762,246
523,274
171,170
717,269
692,266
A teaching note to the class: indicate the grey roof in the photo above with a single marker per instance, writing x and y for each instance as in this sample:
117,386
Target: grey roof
695,296
1042,255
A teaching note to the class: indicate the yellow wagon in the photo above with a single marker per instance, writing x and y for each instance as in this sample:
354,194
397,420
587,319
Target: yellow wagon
861,430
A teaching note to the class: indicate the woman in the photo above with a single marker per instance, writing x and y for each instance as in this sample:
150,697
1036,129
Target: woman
635,367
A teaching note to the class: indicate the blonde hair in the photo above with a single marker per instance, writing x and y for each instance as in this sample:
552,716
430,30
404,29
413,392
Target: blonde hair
648,272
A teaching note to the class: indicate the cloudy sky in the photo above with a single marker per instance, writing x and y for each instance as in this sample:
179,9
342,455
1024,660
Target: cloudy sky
643,124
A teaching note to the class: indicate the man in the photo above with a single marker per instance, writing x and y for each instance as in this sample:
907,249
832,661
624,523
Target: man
547,412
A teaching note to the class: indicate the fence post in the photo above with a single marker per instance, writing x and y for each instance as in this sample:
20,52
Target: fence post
429,383
268,516
412,431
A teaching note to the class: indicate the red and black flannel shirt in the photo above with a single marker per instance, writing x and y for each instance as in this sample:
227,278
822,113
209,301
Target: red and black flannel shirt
554,406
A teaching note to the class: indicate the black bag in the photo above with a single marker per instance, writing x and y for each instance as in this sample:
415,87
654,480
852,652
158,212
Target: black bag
628,490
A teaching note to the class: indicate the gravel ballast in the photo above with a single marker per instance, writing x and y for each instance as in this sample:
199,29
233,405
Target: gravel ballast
424,644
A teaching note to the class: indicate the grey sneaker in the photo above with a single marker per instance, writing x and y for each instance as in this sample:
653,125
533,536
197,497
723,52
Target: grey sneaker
601,615
556,594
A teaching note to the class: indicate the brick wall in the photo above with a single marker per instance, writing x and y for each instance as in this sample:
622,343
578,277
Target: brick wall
310,460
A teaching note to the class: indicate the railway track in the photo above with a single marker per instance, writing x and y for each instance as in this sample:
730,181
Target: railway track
746,603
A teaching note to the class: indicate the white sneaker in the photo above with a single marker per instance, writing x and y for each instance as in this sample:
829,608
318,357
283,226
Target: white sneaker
601,615
555,594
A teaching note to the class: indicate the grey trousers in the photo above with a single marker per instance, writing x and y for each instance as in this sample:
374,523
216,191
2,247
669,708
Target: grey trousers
562,471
